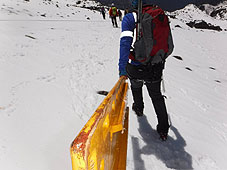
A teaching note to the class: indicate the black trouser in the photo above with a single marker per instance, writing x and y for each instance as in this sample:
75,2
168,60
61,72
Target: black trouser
114,20
151,76
103,15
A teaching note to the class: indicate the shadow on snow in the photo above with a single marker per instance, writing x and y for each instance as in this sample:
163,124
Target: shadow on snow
170,152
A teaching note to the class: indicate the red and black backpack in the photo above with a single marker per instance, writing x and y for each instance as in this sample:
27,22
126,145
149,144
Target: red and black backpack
152,45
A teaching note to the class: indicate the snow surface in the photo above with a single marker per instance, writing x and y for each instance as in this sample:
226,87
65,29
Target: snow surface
54,59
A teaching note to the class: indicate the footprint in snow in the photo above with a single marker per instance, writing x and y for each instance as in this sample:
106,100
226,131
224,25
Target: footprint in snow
10,108
206,162
219,129
48,78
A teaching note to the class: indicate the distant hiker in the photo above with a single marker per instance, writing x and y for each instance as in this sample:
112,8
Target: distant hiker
144,63
120,15
103,12
113,15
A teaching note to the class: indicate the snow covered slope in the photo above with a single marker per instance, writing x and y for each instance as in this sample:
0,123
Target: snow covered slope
55,56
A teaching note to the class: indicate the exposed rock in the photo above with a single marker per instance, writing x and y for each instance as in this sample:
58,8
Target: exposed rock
187,68
221,12
29,36
178,26
200,24
212,68
78,2
178,57
172,16
43,15
218,12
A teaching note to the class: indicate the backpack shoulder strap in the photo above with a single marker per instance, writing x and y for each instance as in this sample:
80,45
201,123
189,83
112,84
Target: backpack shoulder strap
154,11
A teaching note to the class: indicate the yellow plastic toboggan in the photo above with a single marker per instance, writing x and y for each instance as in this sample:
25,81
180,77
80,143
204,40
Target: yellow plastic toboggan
102,142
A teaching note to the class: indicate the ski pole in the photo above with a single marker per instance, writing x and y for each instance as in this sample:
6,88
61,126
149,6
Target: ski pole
139,18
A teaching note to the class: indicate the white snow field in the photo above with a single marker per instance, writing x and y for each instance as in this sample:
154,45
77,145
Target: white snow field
55,56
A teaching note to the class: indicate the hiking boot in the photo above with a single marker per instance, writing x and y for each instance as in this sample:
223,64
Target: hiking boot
138,111
163,136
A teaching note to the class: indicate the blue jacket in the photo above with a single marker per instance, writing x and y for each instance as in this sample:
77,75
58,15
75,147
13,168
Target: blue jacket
128,25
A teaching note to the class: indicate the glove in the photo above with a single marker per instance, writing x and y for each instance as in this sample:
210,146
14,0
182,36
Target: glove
122,73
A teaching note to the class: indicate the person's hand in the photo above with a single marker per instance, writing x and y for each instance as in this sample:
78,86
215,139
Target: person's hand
123,73
124,76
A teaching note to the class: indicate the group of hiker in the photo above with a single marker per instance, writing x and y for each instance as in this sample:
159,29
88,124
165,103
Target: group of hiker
113,14
145,43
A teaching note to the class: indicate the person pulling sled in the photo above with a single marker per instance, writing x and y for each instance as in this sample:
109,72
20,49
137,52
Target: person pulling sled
143,61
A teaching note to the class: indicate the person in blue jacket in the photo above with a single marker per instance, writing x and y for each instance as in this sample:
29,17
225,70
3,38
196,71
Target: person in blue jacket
151,74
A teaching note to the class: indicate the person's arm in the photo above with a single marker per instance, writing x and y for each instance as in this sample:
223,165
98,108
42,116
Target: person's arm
128,26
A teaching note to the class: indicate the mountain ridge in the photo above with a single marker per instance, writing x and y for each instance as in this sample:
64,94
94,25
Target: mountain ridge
165,4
